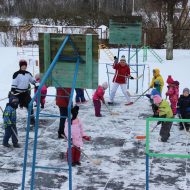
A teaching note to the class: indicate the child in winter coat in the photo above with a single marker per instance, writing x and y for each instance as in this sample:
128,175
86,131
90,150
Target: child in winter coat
43,91
98,97
9,118
183,108
164,112
122,73
173,93
77,136
157,78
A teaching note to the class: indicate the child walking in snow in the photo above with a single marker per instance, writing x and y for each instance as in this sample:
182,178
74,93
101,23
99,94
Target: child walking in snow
173,93
164,112
122,73
77,136
9,120
43,91
98,97
183,108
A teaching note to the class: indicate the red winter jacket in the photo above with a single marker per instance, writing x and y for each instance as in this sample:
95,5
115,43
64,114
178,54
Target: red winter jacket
121,73
99,94
63,101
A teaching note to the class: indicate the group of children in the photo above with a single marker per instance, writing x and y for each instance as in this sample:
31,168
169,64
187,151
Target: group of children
161,108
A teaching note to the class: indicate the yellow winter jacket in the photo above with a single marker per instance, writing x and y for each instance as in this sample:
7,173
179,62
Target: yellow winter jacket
158,77
165,109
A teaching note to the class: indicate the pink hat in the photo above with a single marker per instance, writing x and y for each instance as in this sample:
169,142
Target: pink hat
157,99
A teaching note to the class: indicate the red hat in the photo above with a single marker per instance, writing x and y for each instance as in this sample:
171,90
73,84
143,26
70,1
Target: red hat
22,62
170,80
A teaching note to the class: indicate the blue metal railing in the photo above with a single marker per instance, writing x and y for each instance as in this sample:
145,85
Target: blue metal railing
37,95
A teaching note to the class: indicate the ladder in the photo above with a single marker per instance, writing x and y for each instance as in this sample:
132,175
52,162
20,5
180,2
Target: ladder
107,51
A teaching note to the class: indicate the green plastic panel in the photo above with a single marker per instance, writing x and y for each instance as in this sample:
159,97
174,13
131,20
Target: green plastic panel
63,72
125,30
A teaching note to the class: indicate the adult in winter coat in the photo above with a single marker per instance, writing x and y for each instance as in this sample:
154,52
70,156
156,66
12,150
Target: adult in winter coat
20,83
164,112
122,73
98,97
9,122
157,80
183,108
77,136
62,101
173,93
43,91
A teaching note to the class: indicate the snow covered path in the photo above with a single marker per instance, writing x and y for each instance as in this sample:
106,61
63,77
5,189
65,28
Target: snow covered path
113,142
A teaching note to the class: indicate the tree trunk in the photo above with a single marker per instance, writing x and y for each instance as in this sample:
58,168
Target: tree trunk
169,35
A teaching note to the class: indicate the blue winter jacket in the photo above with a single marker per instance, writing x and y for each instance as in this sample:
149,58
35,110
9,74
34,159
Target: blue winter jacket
9,116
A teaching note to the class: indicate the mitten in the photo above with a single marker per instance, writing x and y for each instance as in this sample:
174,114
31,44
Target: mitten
159,122
87,138
131,77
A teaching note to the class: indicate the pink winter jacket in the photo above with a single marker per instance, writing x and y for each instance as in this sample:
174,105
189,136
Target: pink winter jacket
173,93
76,132
99,94
43,92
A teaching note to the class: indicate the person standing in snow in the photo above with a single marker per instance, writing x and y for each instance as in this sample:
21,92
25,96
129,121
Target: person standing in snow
43,91
20,83
79,96
122,73
157,81
9,122
62,101
77,136
164,111
173,93
183,108
98,97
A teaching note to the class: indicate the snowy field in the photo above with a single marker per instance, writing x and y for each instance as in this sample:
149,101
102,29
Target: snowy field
113,136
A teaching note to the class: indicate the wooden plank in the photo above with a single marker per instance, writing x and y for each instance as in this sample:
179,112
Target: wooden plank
47,56
89,60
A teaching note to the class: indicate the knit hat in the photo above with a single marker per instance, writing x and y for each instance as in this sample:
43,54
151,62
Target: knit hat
157,99
105,85
75,111
122,58
170,79
22,62
186,90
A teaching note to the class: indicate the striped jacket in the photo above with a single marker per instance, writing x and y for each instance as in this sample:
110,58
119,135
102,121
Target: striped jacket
9,116
21,81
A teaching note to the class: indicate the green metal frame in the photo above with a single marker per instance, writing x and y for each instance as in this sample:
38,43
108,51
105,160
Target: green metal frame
157,155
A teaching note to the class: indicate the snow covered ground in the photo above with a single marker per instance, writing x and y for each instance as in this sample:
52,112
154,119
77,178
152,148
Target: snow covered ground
113,137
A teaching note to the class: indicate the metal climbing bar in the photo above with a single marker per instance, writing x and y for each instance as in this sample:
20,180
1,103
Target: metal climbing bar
52,65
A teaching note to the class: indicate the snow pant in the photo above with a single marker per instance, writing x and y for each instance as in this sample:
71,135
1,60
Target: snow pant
64,114
80,95
165,131
97,107
75,154
24,100
10,133
114,89
173,105
186,124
